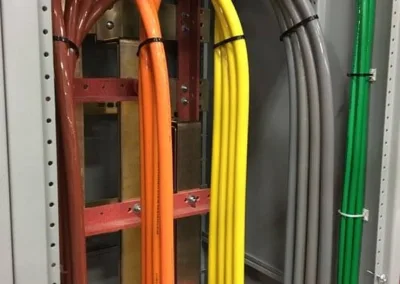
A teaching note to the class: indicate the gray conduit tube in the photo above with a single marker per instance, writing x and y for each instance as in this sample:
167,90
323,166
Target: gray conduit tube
297,89
328,145
306,271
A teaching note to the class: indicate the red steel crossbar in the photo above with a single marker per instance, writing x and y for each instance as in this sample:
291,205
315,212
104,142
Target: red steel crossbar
119,216
105,90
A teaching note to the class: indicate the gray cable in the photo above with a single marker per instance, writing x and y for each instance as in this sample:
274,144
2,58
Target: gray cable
295,70
328,144
311,228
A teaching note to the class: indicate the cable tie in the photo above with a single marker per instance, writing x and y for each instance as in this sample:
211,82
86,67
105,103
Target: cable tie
72,45
364,215
293,29
228,40
148,41
360,74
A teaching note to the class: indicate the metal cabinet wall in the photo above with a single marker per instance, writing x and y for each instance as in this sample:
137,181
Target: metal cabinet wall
269,125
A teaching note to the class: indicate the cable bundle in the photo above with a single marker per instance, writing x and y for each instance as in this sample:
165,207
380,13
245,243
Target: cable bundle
309,232
229,150
70,28
156,151
357,136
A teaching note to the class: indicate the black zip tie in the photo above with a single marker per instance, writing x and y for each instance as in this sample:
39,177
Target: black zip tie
293,29
228,40
148,41
359,75
69,42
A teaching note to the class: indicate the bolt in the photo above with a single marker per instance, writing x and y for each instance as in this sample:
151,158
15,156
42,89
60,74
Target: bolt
185,15
185,28
110,25
184,88
192,200
184,101
137,208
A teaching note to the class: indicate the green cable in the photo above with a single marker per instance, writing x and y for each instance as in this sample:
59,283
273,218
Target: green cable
349,148
355,189
358,226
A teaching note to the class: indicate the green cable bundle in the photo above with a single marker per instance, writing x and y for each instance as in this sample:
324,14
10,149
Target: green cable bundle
351,224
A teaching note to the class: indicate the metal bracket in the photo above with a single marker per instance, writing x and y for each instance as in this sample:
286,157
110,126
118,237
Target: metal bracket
382,278
373,72
366,215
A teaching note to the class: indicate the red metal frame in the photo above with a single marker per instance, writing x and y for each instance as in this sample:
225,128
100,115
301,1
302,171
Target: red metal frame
188,39
105,90
119,216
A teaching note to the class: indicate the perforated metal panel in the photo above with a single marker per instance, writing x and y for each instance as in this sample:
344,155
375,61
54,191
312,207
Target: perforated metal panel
29,88
388,229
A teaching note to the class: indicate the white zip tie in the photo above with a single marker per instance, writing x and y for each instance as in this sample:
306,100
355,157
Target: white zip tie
364,215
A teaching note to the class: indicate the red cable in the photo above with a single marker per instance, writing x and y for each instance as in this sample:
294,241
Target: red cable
74,25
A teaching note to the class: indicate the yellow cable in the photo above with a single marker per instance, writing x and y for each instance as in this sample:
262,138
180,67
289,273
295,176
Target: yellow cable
223,168
226,8
232,107
229,157
242,69
215,166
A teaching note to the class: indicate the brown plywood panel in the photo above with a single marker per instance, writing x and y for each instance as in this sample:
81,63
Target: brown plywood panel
187,149
130,163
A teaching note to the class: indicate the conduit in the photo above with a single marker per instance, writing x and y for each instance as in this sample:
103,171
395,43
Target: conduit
71,27
162,158
229,150
312,195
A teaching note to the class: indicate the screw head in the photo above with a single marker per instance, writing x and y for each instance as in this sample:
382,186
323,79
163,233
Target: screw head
184,88
185,28
184,101
382,278
191,199
137,208
110,25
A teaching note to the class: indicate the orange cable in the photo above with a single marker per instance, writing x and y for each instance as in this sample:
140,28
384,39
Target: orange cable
143,195
163,110
156,177
151,226
150,171
151,235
